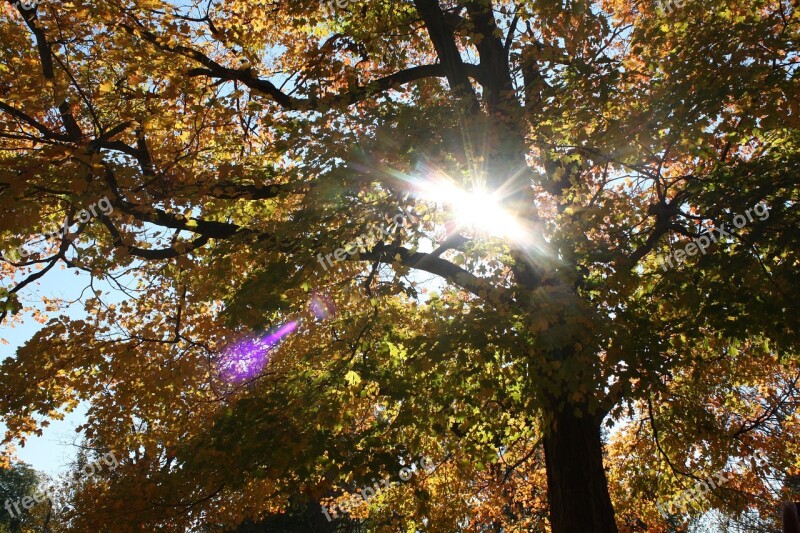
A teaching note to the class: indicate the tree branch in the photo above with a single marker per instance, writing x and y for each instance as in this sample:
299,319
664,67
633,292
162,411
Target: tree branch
214,70
439,267
444,42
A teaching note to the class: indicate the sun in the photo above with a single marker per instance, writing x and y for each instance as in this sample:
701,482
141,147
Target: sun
477,210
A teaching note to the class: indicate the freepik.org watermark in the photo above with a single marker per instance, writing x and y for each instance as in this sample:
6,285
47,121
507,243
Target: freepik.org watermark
704,241
668,5
43,493
367,492
328,5
85,215
28,4
365,241
690,497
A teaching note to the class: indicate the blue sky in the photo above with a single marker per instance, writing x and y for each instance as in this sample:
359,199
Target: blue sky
53,451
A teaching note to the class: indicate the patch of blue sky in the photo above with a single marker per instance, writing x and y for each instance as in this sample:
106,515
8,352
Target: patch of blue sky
55,448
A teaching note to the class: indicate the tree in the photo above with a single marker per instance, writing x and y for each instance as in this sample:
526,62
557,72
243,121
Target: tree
569,148
20,484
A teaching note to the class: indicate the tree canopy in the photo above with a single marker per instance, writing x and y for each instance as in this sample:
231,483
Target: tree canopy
17,483
571,321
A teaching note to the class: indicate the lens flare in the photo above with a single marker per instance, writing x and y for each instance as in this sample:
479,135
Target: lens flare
248,357
321,306
477,210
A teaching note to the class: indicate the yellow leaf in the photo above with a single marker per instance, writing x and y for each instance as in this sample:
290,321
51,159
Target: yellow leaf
352,378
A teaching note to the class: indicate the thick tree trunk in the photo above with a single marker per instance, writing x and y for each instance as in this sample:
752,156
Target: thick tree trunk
576,482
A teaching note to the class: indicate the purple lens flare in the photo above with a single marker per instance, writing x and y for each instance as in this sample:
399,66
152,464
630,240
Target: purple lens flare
321,306
248,357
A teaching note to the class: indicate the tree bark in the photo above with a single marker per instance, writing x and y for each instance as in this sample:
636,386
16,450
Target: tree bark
577,488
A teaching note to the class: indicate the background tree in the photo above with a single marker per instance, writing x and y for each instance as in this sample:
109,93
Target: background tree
19,481
548,154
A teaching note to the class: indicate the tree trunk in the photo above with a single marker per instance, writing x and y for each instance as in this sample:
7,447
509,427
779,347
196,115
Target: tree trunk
577,488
